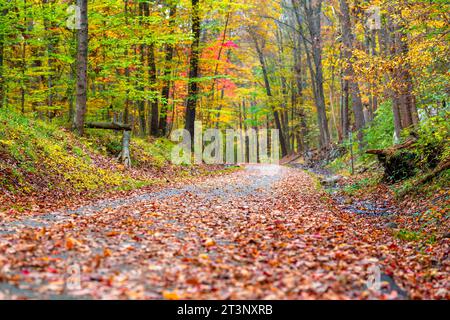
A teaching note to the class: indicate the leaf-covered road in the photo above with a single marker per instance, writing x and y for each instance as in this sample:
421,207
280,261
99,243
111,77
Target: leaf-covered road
265,232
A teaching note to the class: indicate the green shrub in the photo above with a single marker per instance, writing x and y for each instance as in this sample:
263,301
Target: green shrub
363,184
40,154
433,144
379,135
407,235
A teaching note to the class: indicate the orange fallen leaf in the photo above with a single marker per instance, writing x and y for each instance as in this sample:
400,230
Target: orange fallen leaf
210,243
71,242
41,233
171,295
106,252
193,281
203,256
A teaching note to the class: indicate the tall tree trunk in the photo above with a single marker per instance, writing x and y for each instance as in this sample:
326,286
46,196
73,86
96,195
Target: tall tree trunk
143,7
3,12
345,120
219,108
141,102
193,88
216,70
284,92
298,70
389,49
152,76
347,39
246,147
276,115
153,82
82,60
127,73
403,101
374,105
50,49
72,75
165,94
23,67
2,78
408,110
317,57
219,55
332,93
313,10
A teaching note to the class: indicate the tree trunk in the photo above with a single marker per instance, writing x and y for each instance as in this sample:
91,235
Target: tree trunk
313,12
82,60
374,97
127,74
345,121
332,94
153,82
165,94
284,93
71,86
24,67
141,102
152,76
388,45
408,110
397,118
246,147
219,56
3,12
403,101
124,156
143,7
50,49
276,115
2,78
193,88
298,70
347,39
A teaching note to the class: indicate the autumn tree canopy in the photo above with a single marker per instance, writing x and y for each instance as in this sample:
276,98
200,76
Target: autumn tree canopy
315,70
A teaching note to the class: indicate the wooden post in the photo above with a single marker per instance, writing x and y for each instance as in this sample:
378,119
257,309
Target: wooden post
124,156
350,135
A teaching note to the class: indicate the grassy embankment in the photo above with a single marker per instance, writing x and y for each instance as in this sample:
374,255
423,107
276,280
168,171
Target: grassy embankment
39,158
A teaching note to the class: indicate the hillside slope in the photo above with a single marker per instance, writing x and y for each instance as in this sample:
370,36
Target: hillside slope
38,159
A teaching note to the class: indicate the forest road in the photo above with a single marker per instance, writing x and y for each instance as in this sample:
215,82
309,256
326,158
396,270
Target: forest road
263,232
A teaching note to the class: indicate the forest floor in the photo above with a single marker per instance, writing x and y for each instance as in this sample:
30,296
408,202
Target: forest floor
265,232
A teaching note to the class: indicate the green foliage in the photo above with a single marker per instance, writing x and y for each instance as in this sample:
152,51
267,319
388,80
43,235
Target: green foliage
407,235
415,236
145,153
340,164
151,154
38,156
433,145
106,141
410,186
361,185
379,134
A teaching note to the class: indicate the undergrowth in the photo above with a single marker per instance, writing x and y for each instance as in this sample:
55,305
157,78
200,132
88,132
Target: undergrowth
36,156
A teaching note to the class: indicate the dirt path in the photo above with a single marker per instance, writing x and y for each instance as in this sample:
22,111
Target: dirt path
264,232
